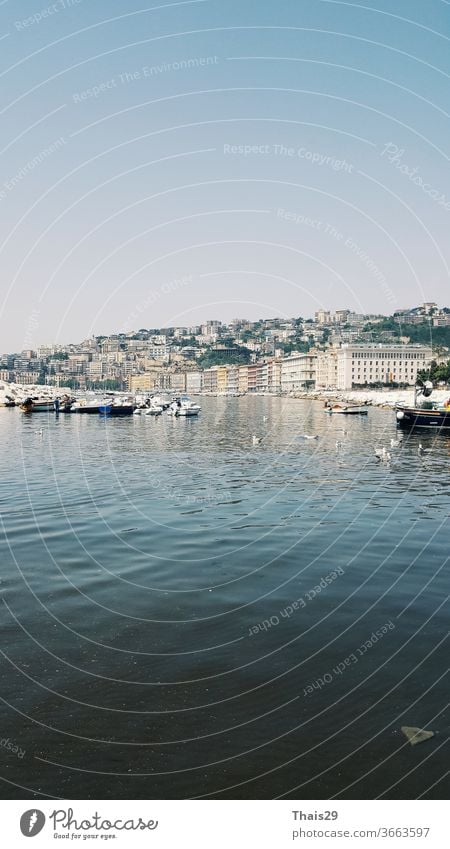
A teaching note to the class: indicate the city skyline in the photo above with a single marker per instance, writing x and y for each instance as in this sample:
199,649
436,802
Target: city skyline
224,324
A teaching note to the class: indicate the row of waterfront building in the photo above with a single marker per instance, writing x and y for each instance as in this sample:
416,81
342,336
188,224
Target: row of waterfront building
347,367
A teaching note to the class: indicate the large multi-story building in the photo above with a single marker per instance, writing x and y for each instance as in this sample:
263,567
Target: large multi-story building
194,382
274,375
210,379
327,370
178,382
252,375
359,365
222,379
298,371
243,379
145,382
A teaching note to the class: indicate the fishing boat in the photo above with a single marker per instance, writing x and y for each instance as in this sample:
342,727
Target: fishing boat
37,405
183,407
424,413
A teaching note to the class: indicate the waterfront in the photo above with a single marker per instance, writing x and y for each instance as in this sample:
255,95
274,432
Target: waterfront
151,643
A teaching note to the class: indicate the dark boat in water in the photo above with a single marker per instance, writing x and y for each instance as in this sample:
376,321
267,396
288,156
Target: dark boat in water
116,409
423,413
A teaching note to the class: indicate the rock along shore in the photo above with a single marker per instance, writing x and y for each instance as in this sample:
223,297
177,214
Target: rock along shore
388,398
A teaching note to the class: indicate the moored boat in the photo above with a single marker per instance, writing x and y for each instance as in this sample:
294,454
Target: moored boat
424,414
104,407
37,405
47,405
183,407
86,407
353,410
116,409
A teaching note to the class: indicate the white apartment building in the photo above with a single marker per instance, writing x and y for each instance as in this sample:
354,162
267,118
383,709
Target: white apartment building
327,369
298,371
358,365
158,352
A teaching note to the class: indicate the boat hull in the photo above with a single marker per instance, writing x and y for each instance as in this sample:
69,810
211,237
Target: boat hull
414,418
38,407
116,411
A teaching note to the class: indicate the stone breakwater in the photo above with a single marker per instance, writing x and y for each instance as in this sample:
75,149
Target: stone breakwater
388,398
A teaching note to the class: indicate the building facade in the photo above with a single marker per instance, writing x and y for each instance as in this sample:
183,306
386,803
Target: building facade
359,365
298,371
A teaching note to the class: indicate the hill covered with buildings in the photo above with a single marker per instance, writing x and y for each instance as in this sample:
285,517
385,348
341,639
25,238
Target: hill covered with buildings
340,349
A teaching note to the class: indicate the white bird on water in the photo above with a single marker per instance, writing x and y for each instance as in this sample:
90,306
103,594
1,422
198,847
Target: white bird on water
395,443
308,436
421,450
39,432
338,445
256,439
383,454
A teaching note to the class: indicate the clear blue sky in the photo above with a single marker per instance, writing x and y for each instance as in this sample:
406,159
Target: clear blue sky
127,201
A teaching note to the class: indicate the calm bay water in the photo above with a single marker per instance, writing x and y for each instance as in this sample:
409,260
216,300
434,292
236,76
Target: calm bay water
188,615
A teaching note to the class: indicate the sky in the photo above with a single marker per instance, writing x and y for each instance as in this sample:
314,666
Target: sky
167,163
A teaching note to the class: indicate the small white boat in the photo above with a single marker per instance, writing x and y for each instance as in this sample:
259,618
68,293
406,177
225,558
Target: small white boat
183,407
153,410
336,409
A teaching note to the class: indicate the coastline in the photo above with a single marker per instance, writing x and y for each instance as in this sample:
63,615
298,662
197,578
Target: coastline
388,398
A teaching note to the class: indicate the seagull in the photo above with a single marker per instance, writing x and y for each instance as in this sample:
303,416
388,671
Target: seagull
307,436
383,454
338,445
256,439
264,418
395,443
39,432
421,450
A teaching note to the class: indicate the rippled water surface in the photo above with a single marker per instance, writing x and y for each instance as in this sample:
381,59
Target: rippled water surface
188,614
